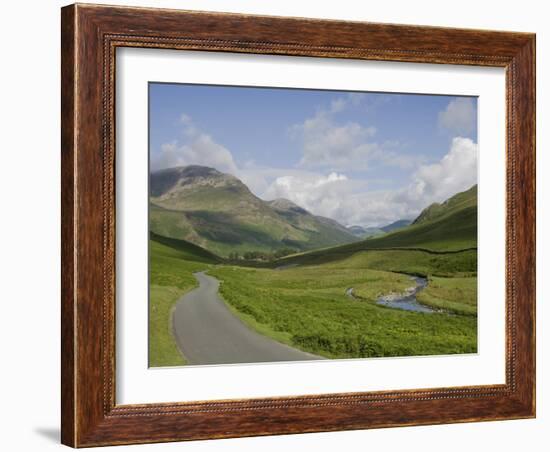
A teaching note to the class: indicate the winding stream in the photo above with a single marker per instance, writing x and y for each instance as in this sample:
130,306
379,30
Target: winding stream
407,300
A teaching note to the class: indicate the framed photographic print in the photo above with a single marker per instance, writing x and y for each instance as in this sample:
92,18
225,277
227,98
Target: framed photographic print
282,225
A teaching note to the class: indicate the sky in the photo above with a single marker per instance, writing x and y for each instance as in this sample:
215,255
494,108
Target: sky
360,158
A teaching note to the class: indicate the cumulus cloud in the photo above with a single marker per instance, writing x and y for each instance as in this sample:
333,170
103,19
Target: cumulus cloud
339,145
335,196
198,148
459,116
348,201
350,99
309,191
328,189
326,143
455,172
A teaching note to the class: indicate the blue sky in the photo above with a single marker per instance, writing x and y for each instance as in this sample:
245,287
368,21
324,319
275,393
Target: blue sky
360,158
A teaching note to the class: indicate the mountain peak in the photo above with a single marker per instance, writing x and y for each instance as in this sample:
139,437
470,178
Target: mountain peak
218,212
286,205
457,201
396,225
183,177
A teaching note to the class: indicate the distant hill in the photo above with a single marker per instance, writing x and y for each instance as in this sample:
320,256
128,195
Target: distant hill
219,213
189,250
396,225
365,232
450,225
459,201
446,227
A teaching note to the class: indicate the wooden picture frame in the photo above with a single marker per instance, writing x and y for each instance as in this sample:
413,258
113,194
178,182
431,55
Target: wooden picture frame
90,36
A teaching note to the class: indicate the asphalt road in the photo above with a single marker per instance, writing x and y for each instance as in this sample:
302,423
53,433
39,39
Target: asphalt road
208,333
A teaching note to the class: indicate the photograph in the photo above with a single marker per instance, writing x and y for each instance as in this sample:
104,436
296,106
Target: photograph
290,224
238,226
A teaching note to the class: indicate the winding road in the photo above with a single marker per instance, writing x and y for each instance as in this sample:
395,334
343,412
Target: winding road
208,333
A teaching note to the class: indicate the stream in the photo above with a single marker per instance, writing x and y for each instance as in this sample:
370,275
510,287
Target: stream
407,300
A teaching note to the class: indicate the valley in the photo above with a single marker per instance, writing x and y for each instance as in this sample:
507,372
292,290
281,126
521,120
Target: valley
284,272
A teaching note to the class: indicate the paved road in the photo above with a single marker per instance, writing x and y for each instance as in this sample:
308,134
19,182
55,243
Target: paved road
208,333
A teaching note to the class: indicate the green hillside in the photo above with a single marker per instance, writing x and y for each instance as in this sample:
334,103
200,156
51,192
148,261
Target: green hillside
171,267
187,250
454,231
450,227
396,225
302,300
454,204
365,232
218,212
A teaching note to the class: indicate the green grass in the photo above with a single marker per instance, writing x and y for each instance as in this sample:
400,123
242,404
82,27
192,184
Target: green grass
458,295
414,262
169,223
306,307
440,229
411,262
171,275
231,219
457,202
455,231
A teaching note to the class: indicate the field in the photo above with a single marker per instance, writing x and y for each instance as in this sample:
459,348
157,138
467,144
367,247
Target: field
172,264
306,306
458,295
304,299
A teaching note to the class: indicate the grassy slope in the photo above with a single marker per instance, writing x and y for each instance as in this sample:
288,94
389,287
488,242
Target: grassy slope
457,202
455,231
231,219
458,295
314,314
449,227
306,307
411,262
172,265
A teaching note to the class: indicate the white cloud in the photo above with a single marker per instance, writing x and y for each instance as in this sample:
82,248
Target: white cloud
455,172
200,149
332,193
345,101
459,116
320,194
348,201
328,143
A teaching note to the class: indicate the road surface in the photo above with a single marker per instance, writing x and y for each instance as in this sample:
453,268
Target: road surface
208,333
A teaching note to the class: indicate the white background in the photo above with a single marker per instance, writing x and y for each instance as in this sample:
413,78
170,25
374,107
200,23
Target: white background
138,384
29,325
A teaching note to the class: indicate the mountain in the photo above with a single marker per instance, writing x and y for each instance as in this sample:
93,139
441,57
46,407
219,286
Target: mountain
446,227
395,225
218,212
459,201
302,219
356,230
365,232
187,250
450,225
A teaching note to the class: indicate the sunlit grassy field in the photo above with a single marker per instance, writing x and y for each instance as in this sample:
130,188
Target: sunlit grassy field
306,306
171,275
457,295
